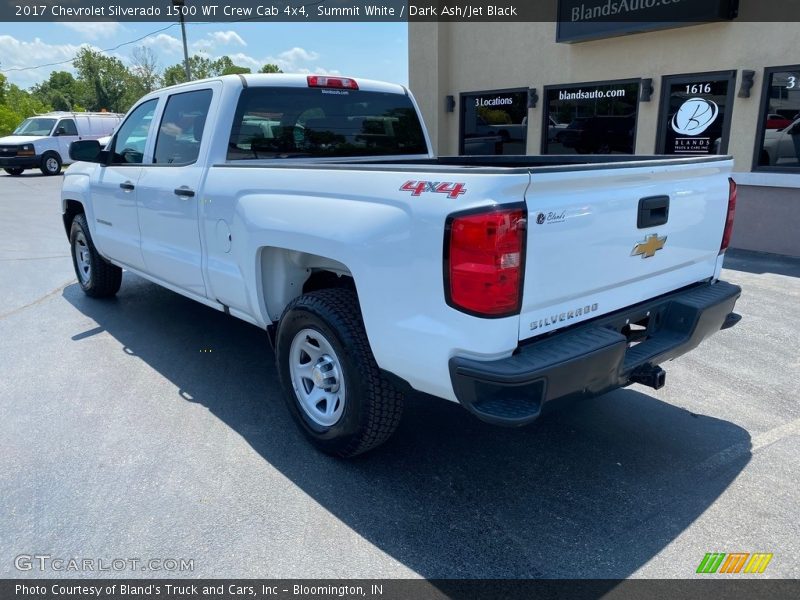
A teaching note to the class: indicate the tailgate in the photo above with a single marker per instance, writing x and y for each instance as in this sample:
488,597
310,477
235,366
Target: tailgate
589,254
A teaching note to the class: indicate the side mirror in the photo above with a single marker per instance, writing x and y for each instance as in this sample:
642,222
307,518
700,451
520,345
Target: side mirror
61,131
87,151
794,129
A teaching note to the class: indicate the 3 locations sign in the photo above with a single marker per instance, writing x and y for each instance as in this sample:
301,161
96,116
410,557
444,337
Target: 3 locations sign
695,114
581,20
494,122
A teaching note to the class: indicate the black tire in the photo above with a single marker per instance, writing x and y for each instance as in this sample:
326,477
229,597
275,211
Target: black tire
51,164
373,407
101,279
15,172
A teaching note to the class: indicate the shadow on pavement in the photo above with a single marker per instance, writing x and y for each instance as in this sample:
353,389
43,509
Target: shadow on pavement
593,491
762,262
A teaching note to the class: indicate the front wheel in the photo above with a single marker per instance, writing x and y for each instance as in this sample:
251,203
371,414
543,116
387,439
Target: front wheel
51,164
15,172
97,277
331,382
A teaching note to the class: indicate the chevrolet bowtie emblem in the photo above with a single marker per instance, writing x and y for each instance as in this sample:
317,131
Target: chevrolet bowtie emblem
651,244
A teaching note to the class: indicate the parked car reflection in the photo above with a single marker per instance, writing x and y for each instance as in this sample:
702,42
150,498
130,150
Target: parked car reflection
781,147
600,135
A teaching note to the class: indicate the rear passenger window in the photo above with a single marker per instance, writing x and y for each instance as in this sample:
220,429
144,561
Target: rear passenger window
272,122
181,130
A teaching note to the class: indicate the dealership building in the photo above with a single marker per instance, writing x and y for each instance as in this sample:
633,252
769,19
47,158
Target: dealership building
730,85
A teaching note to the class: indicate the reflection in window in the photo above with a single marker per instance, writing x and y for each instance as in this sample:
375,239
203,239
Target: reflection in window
591,118
35,127
132,135
494,122
780,142
67,127
299,122
181,130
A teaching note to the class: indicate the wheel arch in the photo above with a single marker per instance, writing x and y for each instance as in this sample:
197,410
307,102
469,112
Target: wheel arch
72,208
285,274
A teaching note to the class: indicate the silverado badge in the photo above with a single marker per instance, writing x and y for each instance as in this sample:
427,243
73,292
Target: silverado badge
651,244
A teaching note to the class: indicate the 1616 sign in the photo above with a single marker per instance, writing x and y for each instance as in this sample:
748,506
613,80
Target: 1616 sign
698,88
693,116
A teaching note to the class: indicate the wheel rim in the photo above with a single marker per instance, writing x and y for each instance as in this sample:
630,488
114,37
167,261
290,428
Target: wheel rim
51,164
83,258
317,377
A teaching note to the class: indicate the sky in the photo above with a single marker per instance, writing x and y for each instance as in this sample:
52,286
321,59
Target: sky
368,50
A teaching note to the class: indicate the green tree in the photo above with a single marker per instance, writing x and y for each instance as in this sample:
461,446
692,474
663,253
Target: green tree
60,90
493,116
145,71
8,120
201,67
106,82
24,103
16,105
270,68
225,66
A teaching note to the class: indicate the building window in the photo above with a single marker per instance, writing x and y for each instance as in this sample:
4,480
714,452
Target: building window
695,115
778,139
494,122
591,118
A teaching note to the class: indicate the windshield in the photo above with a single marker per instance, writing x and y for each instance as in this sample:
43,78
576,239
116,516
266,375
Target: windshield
35,127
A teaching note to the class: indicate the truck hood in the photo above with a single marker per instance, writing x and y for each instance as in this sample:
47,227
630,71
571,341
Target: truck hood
18,140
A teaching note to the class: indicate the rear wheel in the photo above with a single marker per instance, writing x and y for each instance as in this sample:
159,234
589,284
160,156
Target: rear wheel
332,385
15,172
97,277
51,164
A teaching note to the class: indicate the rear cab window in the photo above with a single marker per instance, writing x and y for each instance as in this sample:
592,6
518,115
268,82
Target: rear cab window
292,122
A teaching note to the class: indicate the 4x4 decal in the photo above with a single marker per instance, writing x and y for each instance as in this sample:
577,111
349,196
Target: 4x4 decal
453,190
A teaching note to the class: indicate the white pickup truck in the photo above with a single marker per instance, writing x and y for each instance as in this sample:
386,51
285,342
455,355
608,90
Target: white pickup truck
312,207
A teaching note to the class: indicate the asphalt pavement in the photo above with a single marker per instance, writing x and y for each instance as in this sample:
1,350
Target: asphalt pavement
151,427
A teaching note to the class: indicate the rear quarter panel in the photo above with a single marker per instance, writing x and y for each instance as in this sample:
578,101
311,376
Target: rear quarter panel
391,242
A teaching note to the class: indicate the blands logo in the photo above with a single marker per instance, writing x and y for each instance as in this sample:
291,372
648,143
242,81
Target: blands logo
694,116
735,563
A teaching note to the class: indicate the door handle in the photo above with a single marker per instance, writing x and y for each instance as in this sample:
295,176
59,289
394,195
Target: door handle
653,211
127,186
184,192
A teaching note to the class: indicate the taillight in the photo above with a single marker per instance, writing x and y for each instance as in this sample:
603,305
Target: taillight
485,261
726,234
322,81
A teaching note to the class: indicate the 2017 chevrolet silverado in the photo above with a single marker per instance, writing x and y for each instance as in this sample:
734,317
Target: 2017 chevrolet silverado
314,208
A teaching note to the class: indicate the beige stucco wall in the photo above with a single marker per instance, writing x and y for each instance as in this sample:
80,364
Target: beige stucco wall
450,58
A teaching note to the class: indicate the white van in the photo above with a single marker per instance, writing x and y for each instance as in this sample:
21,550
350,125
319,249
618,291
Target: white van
42,142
